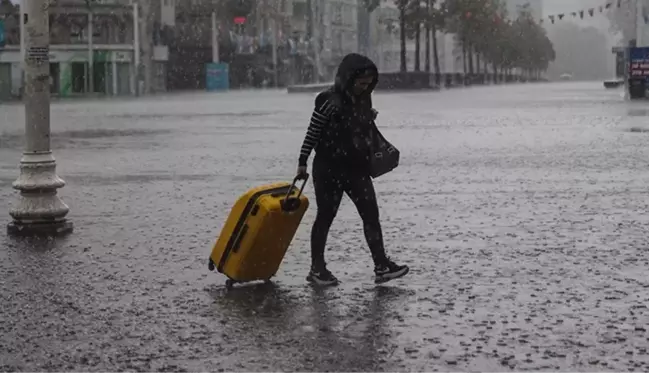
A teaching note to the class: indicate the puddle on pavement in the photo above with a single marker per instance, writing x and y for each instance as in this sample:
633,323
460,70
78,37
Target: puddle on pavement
97,179
265,300
638,113
638,129
27,246
14,140
188,116
118,179
103,133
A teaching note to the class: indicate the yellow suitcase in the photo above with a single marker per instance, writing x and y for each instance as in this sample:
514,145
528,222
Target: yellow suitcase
258,231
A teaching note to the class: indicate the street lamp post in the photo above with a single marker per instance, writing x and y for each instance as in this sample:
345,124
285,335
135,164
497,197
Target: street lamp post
136,47
215,39
379,41
274,53
90,84
636,24
272,13
91,60
39,211
316,24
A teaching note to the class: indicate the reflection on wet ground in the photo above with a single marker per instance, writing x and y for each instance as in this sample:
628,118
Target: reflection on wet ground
348,329
189,116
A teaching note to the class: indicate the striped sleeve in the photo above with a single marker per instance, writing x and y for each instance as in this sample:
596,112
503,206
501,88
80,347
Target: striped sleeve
319,119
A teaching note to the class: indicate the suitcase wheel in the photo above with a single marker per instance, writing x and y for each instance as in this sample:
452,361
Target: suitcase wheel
228,284
210,265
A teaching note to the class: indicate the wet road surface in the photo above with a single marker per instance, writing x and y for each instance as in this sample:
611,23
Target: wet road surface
522,211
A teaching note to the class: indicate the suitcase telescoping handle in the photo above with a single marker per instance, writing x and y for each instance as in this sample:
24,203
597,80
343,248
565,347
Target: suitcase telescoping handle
291,204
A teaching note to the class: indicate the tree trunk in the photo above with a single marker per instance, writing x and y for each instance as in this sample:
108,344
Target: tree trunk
436,54
464,58
477,63
418,48
485,68
402,36
427,49
428,30
470,52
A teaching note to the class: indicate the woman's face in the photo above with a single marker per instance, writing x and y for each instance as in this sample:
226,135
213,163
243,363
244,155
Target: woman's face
361,84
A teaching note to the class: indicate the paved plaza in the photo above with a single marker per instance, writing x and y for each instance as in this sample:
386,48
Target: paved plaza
522,211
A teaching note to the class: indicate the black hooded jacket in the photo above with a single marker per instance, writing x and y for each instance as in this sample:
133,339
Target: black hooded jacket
341,124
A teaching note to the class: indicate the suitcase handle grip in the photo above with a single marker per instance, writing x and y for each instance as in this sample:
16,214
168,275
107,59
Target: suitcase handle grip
288,206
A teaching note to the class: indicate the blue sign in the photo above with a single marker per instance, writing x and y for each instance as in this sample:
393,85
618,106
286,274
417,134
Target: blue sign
217,77
2,33
639,63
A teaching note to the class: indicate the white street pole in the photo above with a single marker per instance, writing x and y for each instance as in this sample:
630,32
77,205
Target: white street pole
215,39
637,23
39,211
274,46
136,46
379,35
146,39
91,62
315,36
114,69
639,30
21,9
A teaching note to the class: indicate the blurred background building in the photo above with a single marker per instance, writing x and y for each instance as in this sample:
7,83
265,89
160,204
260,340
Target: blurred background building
132,47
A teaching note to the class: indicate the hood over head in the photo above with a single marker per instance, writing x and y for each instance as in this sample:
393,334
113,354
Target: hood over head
352,66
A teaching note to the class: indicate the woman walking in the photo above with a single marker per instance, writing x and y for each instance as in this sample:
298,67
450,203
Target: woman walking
340,133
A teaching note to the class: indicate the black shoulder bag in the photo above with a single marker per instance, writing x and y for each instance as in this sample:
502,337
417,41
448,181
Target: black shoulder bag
384,157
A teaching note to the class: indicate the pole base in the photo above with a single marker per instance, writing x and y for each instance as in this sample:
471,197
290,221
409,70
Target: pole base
58,228
39,211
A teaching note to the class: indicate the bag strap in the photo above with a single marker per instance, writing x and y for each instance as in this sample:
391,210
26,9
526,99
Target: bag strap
376,131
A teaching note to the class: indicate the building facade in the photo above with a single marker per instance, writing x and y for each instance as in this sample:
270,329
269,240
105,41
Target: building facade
157,19
71,52
311,36
340,29
385,47
453,56
328,30
10,21
245,38
385,40
93,50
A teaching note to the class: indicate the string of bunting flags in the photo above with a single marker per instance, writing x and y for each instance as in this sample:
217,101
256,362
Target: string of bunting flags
591,11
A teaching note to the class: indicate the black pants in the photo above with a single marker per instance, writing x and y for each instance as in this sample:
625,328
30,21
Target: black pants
330,181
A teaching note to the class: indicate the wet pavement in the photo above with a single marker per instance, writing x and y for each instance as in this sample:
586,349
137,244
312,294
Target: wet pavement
522,211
